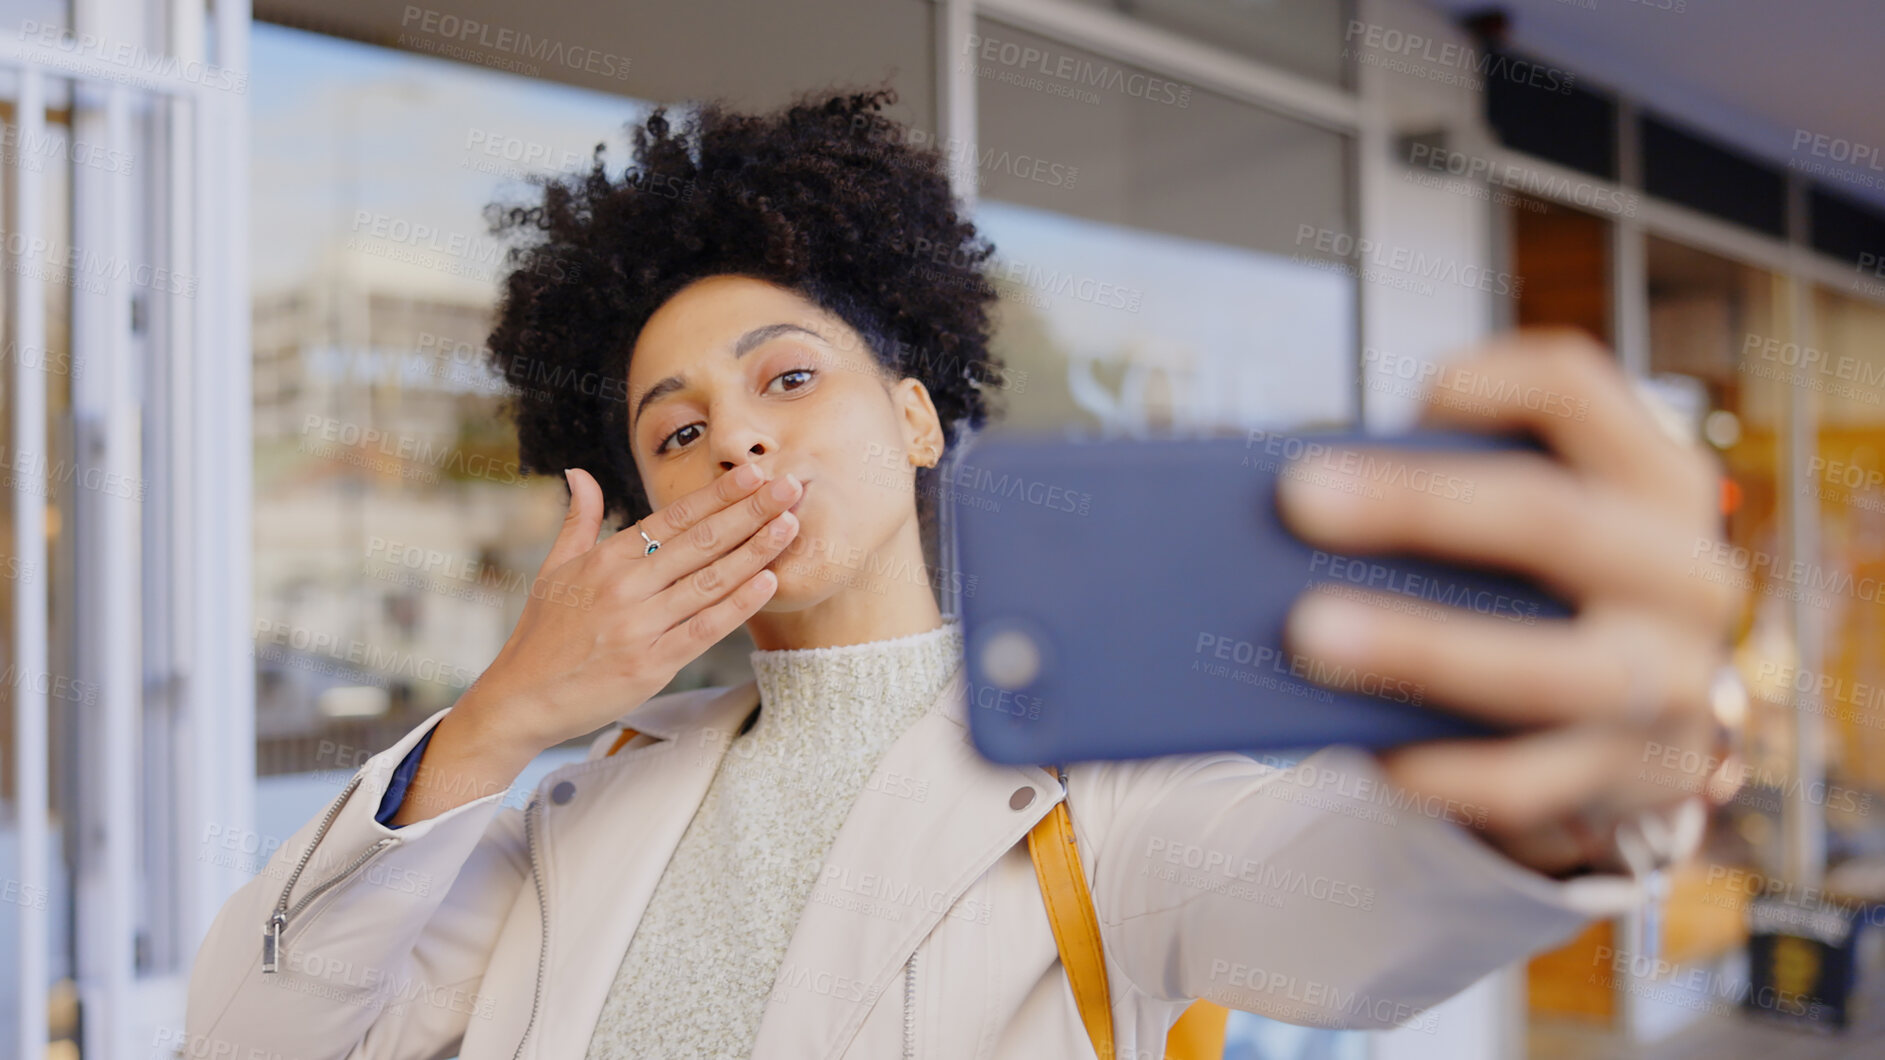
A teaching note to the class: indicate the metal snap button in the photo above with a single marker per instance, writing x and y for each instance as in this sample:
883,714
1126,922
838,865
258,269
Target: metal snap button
563,792
1021,798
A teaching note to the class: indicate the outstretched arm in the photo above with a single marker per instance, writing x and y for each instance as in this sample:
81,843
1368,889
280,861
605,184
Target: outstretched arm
1316,893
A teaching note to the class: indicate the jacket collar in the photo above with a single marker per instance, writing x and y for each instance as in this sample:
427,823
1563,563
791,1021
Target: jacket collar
604,847
930,821
705,709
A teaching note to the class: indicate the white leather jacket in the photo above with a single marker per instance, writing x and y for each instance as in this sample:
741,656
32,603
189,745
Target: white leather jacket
1312,894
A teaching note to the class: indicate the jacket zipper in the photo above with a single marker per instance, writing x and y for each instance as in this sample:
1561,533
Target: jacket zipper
278,920
543,921
909,1008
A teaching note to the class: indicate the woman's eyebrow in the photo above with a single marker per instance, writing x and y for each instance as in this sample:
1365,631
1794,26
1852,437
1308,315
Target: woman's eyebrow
745,345
753,338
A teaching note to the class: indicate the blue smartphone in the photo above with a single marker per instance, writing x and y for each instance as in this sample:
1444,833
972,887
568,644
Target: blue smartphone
1125,598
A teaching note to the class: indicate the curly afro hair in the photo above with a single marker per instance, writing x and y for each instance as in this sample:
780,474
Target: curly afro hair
826,197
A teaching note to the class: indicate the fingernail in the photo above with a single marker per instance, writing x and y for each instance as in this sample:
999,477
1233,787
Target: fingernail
1329,627
1313,499
749,476
782,489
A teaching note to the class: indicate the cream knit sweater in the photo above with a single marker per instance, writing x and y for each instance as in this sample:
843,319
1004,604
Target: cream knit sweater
702,961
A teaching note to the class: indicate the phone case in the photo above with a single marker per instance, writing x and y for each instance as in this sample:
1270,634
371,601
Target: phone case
1125,598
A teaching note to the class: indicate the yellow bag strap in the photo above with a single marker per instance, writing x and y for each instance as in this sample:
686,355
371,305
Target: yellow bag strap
1199,1032
1076,927
627,735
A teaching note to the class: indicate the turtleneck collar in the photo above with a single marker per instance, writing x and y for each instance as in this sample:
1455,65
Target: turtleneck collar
859,696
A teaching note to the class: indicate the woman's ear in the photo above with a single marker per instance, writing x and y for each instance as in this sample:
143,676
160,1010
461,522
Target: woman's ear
922,426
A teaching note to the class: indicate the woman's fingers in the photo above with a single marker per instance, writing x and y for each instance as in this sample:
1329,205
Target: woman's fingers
565,670
1523,782
722,531
1516,510
1607,712
672,521
1568,391
698,528
1532,781
690,595
1611,667
709,625
581,523
713,543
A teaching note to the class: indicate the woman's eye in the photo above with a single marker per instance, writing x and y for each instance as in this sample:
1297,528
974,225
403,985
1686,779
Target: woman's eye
663,447
806,372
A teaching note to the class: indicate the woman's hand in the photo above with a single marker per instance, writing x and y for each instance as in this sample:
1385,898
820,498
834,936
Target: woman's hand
1623,525
606,627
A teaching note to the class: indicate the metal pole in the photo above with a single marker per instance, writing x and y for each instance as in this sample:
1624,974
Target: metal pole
31,612
1803,822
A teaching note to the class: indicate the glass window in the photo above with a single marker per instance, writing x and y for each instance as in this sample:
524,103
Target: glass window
395,537
1304,37
1702,173
1708,318
1151,252
1723,328
68,692
1847,476
752,53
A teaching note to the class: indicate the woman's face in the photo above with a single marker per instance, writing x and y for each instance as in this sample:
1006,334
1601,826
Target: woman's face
734,370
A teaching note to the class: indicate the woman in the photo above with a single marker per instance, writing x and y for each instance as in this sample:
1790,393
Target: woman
752,348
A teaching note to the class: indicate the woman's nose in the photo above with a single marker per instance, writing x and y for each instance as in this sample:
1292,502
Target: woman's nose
743,446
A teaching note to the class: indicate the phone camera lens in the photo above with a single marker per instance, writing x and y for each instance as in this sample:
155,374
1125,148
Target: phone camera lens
1010,659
